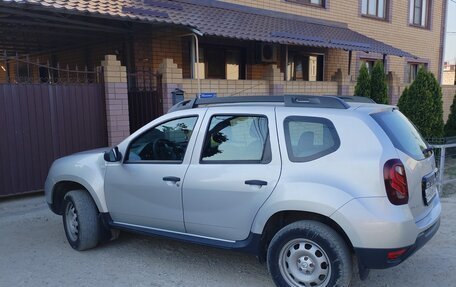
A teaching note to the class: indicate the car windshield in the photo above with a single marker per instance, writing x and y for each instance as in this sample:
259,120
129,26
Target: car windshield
402,133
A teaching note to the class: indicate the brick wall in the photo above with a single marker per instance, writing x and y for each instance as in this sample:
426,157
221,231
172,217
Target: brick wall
448,93
336,59
151,48
311,88
225,88
448,78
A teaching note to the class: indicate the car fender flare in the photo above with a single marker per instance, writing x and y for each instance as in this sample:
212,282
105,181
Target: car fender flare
296,197
96,191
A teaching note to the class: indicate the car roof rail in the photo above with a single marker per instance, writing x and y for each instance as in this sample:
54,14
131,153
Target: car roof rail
309,101
357,99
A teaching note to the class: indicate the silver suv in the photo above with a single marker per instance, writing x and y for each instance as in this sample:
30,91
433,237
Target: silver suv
306,183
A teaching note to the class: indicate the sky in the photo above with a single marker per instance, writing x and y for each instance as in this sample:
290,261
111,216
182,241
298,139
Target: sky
450,47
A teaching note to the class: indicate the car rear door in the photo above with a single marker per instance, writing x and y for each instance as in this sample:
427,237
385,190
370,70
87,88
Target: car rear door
234,168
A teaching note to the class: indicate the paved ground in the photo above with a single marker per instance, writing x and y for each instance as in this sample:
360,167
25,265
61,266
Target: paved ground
34,252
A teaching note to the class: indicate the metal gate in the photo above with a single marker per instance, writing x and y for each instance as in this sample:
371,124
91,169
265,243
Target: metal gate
45,113
145,100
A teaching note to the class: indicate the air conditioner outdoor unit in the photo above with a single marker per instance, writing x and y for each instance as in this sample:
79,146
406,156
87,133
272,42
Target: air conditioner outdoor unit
268,53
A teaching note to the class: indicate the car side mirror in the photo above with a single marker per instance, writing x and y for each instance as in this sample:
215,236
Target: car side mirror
113,155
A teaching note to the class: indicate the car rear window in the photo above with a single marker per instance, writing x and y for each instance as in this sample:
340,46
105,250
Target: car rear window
402,133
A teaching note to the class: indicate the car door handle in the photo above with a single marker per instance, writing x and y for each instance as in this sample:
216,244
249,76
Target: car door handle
256,182
171,178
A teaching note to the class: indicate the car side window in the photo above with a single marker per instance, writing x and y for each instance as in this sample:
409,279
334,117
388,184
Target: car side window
309,138
237,139
165,142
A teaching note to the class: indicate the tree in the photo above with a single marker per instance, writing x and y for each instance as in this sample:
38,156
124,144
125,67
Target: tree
450,126
379,87
422,104
363,83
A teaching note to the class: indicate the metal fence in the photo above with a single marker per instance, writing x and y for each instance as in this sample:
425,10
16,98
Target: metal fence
445,155
33,70
43,118
145,99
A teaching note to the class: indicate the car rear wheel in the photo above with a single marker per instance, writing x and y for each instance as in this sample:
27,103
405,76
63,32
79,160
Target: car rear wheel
309,253
80,220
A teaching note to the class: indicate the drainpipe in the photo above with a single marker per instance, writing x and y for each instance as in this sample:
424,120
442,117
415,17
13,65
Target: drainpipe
197,64
286,62
443,33
195,35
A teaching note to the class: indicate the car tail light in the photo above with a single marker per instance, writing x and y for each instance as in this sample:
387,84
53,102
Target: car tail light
396,182
393,255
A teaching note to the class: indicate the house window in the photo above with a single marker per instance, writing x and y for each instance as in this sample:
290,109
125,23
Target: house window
412,71
369,63
305,67
221,63
419,12
320,3
374,8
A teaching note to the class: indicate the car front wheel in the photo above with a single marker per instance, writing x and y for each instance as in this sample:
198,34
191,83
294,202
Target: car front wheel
80,220
309,253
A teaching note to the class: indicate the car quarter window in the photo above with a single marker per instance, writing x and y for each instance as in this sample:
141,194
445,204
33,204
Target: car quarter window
309,138
165,142
237,139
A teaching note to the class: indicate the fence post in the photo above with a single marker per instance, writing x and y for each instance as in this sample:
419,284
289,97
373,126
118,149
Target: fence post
275,79
441,168
172,79
116,95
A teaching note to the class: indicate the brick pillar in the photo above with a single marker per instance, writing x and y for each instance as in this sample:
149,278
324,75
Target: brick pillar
116,95
276,80
394,88
343,83
171,79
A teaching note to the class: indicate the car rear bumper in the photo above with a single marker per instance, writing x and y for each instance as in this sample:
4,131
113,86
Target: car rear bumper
381,258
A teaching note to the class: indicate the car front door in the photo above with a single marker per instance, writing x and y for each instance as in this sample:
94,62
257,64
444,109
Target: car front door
145,189
234,169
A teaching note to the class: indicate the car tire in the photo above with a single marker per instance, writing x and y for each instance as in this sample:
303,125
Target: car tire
309,253
80,220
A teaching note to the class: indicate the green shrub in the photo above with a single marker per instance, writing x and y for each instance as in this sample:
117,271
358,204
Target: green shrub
450,126
422,104
379,87
363,83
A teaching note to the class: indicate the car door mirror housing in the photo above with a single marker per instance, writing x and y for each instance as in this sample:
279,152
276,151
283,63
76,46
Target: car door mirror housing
113,155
